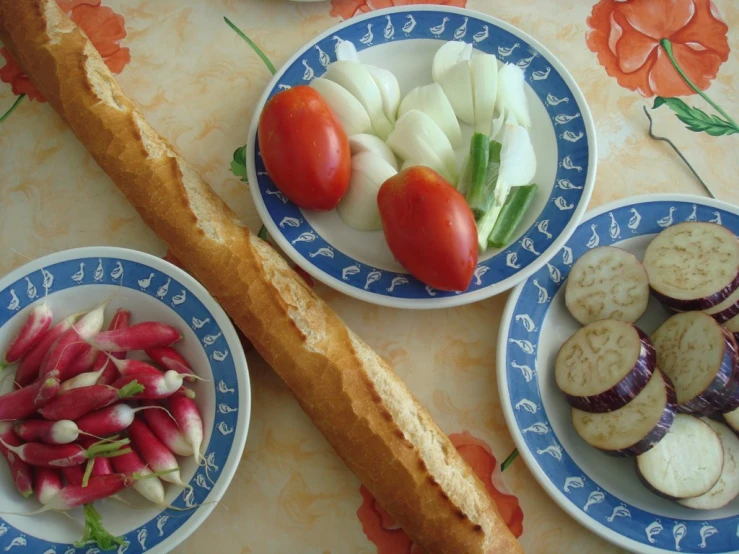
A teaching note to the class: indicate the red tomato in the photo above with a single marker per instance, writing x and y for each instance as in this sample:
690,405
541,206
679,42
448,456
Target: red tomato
429,227
305,149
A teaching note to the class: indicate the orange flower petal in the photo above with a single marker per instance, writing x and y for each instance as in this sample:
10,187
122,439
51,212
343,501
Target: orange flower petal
658,18
118,61
633,48
349,8
387,542
705,30
68,5
700,67
102,26
345,9
12,74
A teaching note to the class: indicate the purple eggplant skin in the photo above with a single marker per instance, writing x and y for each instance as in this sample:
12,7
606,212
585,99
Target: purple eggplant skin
726,315
731,393
697,304
658,432
712,399
627,388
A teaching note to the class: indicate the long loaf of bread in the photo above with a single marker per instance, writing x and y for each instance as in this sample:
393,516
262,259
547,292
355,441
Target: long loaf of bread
364,410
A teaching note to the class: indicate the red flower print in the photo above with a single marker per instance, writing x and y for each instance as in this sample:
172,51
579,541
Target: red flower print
626,37
389,538
346,9
103,26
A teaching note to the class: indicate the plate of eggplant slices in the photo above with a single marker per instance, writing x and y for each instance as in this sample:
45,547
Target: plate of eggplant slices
619,374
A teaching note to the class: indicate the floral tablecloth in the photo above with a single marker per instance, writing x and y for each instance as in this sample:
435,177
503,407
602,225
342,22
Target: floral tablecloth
197,80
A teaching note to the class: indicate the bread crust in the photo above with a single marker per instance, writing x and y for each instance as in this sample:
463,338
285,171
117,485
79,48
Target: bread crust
364,410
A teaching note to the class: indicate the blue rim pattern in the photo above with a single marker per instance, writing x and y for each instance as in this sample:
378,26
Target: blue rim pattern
524,395
547,83
136,276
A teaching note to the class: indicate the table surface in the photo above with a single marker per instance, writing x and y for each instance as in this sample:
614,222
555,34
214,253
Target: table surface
197,82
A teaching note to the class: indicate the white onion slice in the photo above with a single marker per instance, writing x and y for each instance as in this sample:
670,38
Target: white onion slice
358,208
484,69
457,85
448,55
512,94
348,110
389,90
431,100
370,143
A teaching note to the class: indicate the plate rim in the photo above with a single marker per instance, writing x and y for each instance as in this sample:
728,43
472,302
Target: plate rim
241,432
502,377
464,297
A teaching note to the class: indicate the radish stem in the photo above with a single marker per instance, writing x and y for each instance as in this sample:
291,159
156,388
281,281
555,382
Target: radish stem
95,532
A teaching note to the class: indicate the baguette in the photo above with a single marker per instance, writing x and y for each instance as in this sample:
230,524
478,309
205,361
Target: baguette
364,410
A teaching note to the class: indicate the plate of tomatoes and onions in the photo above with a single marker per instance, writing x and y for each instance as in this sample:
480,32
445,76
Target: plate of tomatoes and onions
422,157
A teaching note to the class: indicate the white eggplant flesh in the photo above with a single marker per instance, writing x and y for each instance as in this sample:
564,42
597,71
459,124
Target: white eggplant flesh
449,54
358,208
699,356
686,463
417,137
727,487
511,97
431,100
693,265
607,283
346,51
732,420
457,85
517,160
484,68
347,109
634,428
370,143
355,78
604,365
387,82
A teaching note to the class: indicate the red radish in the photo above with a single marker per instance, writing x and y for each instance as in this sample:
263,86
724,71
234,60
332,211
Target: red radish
23,402
20,471
98,488
100,466
167,431
110,420
186,414
84,361
169,358
38,322
48,484
187,393
72,343
131,464
75,403
73,475
108,375
28,368
133,367
141,336
155,386
157,456
63,431
64,455
87,379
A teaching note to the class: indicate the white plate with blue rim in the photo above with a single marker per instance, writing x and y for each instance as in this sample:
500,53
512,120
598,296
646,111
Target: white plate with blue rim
151,289
404,40
601,492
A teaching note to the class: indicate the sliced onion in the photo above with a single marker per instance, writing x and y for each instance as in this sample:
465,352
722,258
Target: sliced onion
346,51
417,137
693,265
389,90
355,78
634,428
350,113
457,85
358,208
431,100
448,55
409,163
517,160
686,463
370,143
484,69
512,94
699,356
604,365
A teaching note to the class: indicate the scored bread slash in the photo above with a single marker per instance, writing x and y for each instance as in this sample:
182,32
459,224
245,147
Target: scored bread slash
635,428
727,487
607,283
604,365
699,356
693,266
686,463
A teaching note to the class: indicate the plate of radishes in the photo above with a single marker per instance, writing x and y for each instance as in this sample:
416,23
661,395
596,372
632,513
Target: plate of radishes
619,374
124,403
421,156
